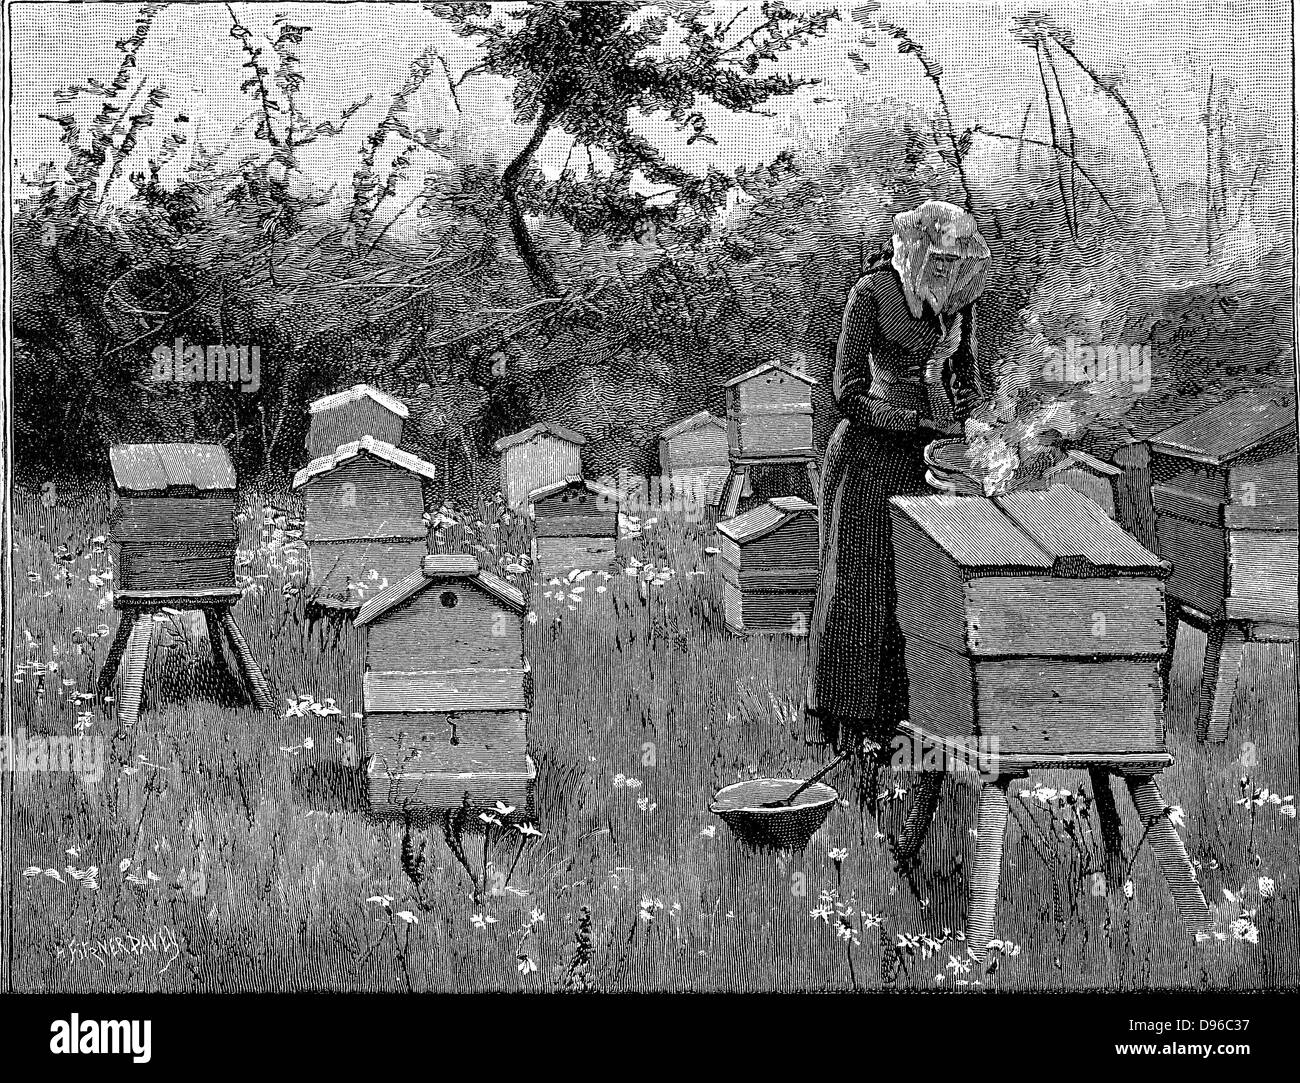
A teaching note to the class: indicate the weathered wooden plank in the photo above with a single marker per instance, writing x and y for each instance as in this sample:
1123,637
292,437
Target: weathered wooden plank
775,434
758,581
1186,504
421,742
1065,523
446,690
1198,554
940,689
543,460
200,519
1133,510
1036,615
396,793
500,731
1037,706
593,525
1263,494
561,555
1262,575
970,532
175,567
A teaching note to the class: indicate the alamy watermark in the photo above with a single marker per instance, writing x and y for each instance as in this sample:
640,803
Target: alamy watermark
81,754
684,495
1083,363
183,362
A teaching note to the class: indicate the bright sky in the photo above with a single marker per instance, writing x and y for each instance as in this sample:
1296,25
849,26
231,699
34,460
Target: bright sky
1167,50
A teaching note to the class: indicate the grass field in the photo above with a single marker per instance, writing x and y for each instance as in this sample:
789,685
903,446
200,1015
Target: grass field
244,859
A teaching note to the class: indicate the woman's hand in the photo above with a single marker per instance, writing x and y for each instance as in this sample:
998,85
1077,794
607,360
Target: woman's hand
965,400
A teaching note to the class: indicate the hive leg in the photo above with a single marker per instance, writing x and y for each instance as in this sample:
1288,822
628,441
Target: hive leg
919,816
137,661
258,690
1224,647
1172,613
212,619
735,485
986,872
109,670
1189,900
1112,835
814,479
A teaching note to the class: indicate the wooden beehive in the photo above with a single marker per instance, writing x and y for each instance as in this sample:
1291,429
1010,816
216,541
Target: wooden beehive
537,457
1224,492
1032,619
695,451
360,411
769,414
446,690
769,567
575,525
173,517
364,518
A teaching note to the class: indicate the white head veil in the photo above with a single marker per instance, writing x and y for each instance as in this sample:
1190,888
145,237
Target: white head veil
939,229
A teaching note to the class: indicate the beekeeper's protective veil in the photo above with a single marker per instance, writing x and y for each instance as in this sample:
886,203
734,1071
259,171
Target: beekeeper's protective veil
940,257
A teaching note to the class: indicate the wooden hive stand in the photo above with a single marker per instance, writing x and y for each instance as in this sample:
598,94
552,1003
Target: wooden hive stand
1224,494
173,521
1034,629
769,425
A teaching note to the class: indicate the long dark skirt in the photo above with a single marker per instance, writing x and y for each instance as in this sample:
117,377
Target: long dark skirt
857,684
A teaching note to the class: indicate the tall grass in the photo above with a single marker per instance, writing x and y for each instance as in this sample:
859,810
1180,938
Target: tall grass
272,876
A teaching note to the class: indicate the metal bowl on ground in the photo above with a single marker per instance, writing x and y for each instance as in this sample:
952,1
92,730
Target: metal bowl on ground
790,827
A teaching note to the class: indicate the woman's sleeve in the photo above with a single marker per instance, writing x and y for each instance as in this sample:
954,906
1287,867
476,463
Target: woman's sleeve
853,357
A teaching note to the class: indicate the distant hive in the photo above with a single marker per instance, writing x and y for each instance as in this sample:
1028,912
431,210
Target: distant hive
769,414
364,518
1224,492
575,525
1225,503
349,415
539,456
173,517
695,450
769,566
447,691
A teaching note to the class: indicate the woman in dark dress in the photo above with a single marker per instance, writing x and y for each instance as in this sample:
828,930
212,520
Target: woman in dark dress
905,373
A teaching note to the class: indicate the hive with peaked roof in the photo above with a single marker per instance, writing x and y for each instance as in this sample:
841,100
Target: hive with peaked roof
364,511
541,455
769,560
694,452
361,410
575,525
446,690
769,414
